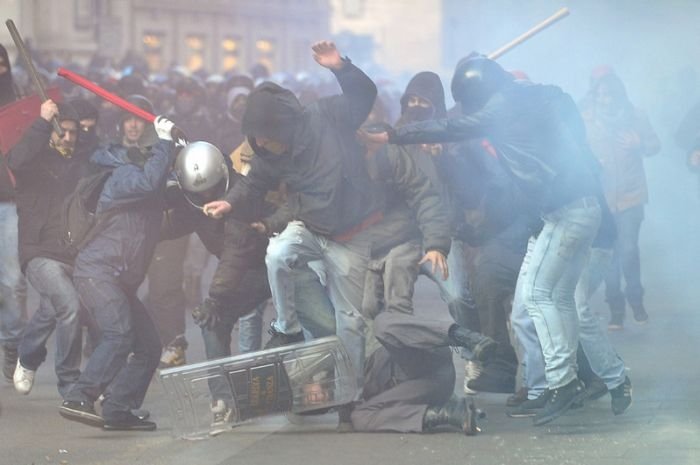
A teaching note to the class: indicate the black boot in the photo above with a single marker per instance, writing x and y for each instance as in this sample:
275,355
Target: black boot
457,412
482,347
9,363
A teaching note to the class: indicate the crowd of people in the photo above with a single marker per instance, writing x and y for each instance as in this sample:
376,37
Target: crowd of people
517,203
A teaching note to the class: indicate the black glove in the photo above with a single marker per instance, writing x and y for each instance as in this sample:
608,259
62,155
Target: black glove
207,314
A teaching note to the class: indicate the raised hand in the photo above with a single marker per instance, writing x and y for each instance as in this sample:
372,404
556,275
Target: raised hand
327,55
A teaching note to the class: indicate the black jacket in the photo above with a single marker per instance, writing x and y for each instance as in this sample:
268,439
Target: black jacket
538,135
328,185
44,180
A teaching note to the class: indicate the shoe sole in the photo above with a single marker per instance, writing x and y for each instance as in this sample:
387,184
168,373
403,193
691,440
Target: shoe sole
108,427
527,414
579,398
81,417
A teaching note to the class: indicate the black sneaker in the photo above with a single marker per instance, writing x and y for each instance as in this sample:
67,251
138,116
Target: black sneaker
595,389
640,315
560,401
279,339
621,397
10,363
82,412
529,407
127,421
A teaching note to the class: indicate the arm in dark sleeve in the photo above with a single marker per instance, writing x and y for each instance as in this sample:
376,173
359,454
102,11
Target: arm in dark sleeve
353,106
253,186
243,248
277,221
422,197
177,222
33,142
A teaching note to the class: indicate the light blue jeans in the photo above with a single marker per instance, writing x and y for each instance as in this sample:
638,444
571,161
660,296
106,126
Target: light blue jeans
59,309
345,265
548,283
604,360
13,287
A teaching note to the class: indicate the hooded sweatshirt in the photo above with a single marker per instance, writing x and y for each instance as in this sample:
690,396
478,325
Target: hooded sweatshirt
324,168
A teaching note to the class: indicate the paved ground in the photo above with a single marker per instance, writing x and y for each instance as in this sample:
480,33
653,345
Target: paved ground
661,428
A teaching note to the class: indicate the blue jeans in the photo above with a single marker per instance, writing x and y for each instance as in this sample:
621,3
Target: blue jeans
549,281
604,360
625,263
526,342
126,328
13,287
346,266
314,310
455,290
59,309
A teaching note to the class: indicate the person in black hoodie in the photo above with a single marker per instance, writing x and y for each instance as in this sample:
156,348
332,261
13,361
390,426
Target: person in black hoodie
331,197
540,139
47,168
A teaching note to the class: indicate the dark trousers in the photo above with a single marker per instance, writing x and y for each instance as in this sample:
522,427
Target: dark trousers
493,282
625,263
166,295
411,371
126,328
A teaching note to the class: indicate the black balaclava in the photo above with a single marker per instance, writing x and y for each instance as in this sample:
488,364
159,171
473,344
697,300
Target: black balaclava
272,112
426,85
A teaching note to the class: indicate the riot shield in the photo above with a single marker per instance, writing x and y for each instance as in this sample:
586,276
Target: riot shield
299,378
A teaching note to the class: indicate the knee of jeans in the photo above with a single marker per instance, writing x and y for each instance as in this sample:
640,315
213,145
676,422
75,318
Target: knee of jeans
280,255
68,311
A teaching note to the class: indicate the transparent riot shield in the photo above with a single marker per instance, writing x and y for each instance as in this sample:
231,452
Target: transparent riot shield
299,378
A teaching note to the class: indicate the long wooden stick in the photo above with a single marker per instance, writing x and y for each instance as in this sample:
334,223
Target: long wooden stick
22,50
559,15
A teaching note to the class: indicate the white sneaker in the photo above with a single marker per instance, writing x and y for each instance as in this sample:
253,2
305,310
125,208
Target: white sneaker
223,418
173,356
472,370
23,379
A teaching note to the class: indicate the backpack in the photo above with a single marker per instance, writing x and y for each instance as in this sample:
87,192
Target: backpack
79,222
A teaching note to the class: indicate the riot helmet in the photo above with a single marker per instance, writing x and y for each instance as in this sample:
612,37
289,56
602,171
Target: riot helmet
201,173
475,80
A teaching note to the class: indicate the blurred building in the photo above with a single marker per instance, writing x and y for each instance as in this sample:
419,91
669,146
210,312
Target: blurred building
401,35
214,35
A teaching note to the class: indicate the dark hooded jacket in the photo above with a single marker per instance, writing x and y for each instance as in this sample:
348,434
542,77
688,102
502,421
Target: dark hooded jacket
44,180
328,185
131,205
538,135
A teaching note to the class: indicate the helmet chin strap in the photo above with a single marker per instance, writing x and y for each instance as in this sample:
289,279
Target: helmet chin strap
187,195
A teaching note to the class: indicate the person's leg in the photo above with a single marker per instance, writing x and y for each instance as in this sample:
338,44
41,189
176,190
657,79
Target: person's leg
629,225
286,253
53,281
13,289
346,269
613,287
601,355
111,309
555,265
129,386
314,307
525,335
249,331
166,298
